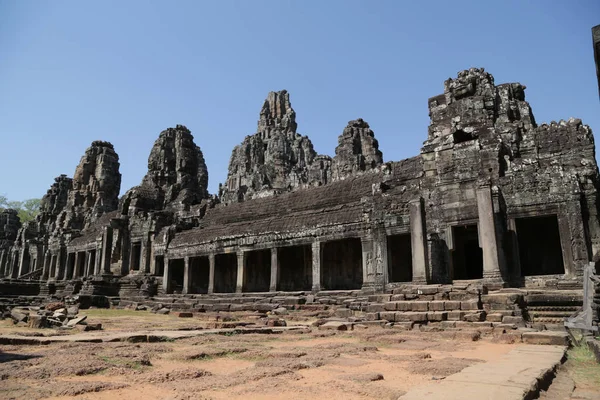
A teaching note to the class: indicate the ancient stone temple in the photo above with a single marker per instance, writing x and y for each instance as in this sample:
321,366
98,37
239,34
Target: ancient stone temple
494,203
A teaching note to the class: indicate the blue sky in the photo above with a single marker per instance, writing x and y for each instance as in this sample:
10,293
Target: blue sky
72,72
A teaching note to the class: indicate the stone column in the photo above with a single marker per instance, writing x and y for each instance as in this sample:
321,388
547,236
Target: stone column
316,266
14,267
88,263
97,260
2,263
187,276
167,276
61,259
46,265
105,256
418,241
24,260
53,263
67,273
211,273
76,267
487,234
368,266
274,270
240,271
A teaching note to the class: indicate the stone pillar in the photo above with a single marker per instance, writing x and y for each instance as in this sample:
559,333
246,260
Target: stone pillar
187,276
375,260
418,241
14,265
53,263
97,260
274,270
487,234
46,265
24,261
2,263
69,274
61,260
105,256
88,264
76,266
368,266
211,273
240,271
167,276
316,266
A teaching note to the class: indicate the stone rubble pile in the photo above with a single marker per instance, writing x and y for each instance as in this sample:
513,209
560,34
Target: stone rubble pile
56,315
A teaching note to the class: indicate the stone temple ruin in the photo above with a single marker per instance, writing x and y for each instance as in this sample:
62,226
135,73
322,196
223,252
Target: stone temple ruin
496,217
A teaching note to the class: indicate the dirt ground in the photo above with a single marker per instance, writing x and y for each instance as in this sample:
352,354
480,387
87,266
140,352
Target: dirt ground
373,363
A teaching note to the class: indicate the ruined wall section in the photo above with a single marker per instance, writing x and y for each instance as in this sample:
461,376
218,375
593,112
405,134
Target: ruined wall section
357,150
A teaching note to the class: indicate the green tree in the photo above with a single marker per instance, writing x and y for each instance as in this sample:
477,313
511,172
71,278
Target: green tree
27,210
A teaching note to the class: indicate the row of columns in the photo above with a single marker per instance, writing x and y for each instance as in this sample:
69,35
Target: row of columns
374,252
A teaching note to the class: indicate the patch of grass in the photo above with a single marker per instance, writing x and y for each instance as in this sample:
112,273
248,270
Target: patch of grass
114,312
582,366
133,364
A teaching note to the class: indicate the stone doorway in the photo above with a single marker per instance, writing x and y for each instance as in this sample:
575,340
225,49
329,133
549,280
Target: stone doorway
399,258
540,251
136,256
225,273
81,259
257,271
341,264
467,256
159,265
199,274
295,268
176,268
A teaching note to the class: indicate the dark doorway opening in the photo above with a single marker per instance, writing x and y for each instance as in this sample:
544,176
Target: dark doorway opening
136,256
200,270
52,273
295,268
341,266
176,268
467,257
81,258
159,265
540,251
225,273
399,258
257,271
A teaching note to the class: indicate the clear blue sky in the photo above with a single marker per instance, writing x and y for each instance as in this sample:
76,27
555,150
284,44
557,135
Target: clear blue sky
76,71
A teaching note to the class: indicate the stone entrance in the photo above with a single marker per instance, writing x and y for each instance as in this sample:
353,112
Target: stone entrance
295,268
199,274
341,266
467,256
257,271
225,273
540,252
399,258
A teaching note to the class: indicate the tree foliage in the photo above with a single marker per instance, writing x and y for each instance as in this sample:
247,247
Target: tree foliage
27,209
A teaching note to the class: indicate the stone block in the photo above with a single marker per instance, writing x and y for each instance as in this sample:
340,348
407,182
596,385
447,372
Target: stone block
411,316
456,315
376,307
372,316
437,315
379,298
436,306
427,290
419,306
450,305
475,317
390,306
343,312
404,326
447,324
37,321
494,317
184,314
334,326
404,305
512,320
397,297
388,315
469,305
546,337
